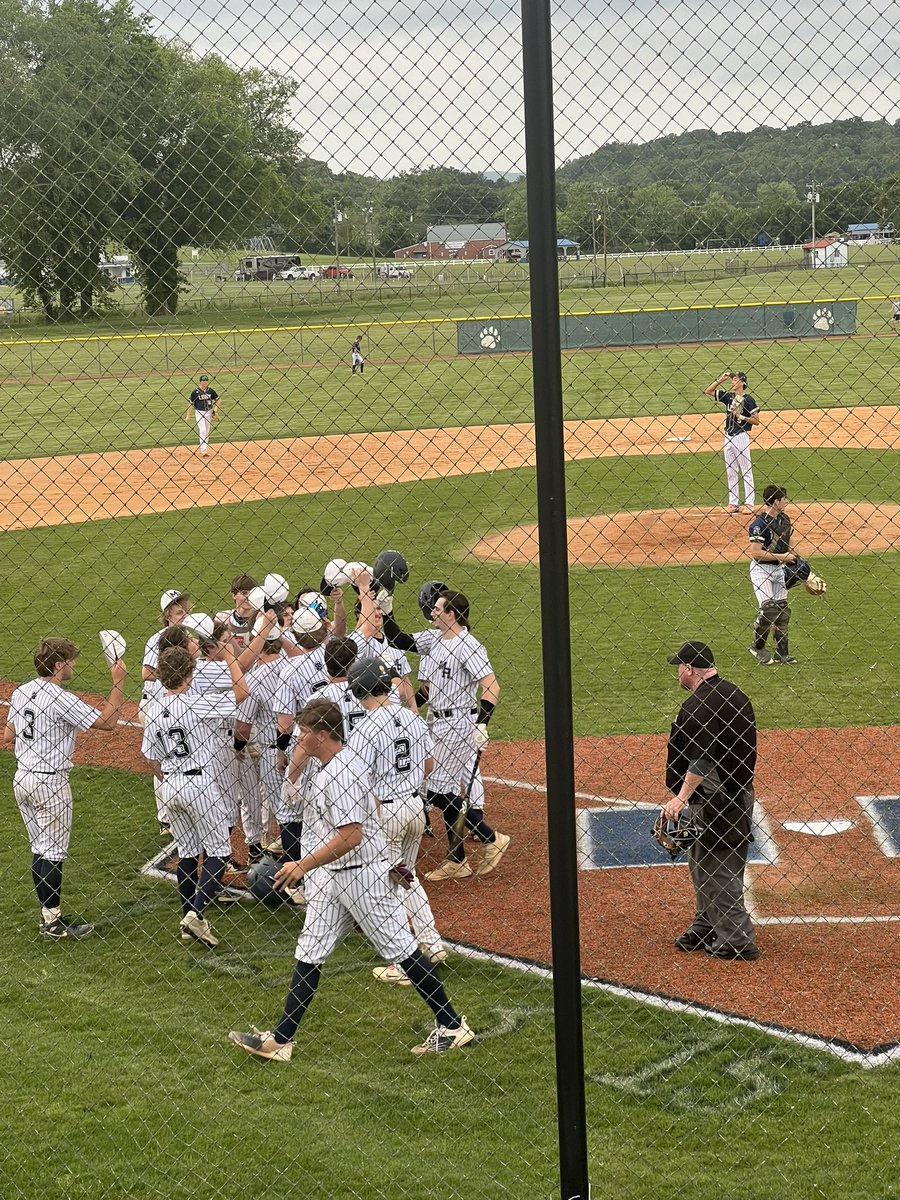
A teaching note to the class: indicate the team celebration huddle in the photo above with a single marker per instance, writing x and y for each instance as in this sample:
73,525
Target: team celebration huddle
293,723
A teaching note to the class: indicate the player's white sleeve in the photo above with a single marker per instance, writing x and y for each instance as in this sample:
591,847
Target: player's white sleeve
73,711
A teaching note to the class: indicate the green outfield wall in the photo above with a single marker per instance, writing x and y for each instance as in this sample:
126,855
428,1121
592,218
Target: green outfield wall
655,327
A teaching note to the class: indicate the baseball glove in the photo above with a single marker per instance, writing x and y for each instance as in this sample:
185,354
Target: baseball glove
675,836
815,585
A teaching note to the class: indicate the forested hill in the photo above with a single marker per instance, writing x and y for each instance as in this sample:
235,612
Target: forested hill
735,163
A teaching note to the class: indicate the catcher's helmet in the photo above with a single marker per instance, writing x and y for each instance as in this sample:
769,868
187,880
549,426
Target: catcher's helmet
390,568
428,593
261,883
675,836
370,677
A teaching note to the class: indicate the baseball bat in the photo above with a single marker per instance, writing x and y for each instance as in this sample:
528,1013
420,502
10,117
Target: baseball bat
459,825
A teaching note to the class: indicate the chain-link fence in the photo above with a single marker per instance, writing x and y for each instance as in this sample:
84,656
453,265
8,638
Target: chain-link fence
273,304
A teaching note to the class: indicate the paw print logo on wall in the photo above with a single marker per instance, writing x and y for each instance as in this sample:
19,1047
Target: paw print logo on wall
490,337
823,319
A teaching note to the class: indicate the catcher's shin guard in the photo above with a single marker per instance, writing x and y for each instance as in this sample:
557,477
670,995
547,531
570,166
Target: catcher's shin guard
765,622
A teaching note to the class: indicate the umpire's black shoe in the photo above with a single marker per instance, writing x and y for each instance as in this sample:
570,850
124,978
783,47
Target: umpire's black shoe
762,655
63,927
741,953
694,941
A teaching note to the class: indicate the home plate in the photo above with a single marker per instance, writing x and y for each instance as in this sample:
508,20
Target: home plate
678,439
818,828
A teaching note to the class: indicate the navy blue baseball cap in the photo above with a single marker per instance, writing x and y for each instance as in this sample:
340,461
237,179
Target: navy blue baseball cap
693,654
740,375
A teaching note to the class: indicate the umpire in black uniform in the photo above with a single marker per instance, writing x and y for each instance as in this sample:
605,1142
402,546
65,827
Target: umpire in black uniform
710,763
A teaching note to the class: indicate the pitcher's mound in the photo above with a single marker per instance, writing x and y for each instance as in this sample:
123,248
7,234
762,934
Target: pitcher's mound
668,536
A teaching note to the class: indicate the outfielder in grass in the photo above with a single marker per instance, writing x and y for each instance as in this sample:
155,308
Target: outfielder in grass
347,881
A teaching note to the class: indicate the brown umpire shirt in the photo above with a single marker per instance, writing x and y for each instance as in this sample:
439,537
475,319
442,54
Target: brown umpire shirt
714,735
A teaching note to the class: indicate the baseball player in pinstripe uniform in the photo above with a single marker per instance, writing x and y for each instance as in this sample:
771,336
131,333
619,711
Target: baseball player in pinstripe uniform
240,619
396,746
742,412
174,606
353,886
458,666
180,741
41,727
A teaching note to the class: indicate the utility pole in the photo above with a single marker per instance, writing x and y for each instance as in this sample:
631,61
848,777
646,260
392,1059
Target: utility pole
369,214
338,216
605,229
812,198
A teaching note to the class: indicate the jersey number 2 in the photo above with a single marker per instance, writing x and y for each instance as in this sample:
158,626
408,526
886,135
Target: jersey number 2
401,754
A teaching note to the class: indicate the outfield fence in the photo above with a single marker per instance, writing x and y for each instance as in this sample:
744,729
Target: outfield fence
467,489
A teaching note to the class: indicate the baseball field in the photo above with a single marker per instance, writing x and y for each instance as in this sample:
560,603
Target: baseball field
117,1069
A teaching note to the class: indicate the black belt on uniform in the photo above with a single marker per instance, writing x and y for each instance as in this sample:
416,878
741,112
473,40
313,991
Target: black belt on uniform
440,713
44,772
352,867
192,771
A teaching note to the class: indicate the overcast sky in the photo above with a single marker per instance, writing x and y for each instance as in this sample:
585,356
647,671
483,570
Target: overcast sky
386,87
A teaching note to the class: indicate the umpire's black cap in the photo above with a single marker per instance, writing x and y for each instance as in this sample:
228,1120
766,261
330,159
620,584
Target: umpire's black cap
694,654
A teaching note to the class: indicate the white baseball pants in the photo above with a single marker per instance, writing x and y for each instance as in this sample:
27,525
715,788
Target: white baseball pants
737,464
403,825
204,424
45,802
197,815
364,895
768,583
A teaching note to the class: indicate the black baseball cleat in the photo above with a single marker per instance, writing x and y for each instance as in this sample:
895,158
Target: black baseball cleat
694,941
736,953
64,927
785,659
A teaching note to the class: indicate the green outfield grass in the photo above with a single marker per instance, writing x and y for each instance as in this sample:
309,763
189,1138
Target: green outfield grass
77,579
119,1080
265,395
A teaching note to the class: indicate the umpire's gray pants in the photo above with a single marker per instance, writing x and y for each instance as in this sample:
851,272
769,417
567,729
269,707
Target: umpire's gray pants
718,879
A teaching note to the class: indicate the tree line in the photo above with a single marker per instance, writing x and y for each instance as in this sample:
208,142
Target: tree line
111,137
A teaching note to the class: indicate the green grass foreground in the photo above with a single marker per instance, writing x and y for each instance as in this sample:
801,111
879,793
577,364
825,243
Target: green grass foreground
75,580
118,1080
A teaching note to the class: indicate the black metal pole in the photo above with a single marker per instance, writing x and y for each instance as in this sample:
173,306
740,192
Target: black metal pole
540,167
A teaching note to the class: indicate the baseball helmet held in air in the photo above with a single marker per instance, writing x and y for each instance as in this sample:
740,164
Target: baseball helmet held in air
371,676
261,883
428,593
390,568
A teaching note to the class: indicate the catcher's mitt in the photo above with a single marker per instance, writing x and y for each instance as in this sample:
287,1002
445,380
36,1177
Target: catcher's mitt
815,585
675,836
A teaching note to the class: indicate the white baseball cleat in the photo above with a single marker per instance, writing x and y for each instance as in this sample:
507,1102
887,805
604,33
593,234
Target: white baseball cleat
449,870
262,1045
198,928
392,974
441,1039
493,852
